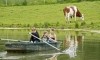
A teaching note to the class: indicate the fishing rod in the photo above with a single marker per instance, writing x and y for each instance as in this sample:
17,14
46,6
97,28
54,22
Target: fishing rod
45,42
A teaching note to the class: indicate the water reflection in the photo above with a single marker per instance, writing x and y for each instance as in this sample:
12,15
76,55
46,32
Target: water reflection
74,47
54,57
4,55
71,43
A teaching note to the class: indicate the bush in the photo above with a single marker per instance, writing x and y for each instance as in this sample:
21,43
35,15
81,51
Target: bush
46,24
35,25
76,25
24,3
92,23
83,23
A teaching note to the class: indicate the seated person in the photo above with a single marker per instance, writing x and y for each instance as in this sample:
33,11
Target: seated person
45,36
35,35
52,36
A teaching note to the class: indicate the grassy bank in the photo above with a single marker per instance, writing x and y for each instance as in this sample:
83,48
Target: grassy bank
49,16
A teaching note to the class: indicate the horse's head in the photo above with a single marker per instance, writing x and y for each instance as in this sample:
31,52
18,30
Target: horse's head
82,17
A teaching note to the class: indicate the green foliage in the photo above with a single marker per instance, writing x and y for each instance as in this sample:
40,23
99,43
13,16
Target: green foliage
57,24
24,3
35,25
46,24
36,2
49,16
83,23
92,23
50,1
76,25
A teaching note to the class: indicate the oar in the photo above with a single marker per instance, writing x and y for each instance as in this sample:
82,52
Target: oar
45,42
13,40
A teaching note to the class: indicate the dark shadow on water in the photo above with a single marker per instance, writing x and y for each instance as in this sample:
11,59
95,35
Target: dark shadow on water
25,56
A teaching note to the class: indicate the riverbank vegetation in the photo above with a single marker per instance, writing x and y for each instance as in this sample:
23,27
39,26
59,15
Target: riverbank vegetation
50,15
37,2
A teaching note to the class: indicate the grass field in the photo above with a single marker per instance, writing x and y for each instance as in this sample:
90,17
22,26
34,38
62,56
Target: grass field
52,14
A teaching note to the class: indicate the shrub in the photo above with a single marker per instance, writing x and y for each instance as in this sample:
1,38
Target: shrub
35,25
57,24
46,24
76,25
92,23
83,23
24,3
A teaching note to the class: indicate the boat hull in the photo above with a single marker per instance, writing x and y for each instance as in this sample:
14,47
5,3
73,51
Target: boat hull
30,47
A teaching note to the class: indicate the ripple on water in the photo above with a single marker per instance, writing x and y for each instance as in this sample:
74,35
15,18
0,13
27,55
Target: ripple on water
3,55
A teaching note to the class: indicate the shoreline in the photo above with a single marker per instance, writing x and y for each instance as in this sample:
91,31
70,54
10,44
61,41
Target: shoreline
88,30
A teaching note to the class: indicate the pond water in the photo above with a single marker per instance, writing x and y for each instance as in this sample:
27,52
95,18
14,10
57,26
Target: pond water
76,45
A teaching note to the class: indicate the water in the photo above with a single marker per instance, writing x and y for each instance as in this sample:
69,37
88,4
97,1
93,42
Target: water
76,45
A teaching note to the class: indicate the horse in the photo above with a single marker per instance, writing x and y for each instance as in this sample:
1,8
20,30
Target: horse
72,11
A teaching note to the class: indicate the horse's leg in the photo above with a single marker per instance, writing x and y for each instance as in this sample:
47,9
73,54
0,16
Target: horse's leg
75,12
75,16
82,18
68,18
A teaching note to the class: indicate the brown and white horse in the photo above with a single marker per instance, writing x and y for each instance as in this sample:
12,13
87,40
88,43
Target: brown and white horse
72,11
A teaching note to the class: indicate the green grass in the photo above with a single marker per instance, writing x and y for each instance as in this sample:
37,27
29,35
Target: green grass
40,14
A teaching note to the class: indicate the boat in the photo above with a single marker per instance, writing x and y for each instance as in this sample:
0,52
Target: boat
30,47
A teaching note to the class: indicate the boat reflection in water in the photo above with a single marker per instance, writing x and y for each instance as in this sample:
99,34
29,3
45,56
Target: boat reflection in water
72,43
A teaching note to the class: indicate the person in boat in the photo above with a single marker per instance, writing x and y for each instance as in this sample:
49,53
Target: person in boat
34,35
52,36
45,36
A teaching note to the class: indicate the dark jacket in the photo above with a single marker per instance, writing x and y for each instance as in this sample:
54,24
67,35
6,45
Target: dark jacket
34,39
